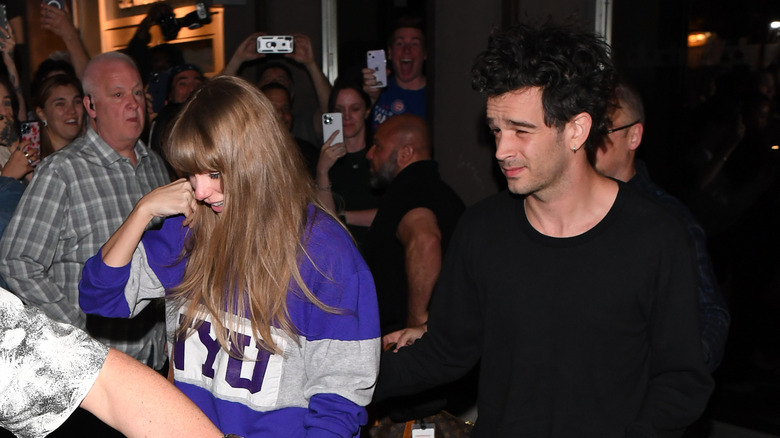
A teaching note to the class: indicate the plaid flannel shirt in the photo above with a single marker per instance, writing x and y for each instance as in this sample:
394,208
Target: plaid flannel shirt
76,200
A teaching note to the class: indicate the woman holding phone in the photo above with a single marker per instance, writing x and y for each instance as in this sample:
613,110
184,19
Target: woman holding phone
16,158
12,151
272,312
343,173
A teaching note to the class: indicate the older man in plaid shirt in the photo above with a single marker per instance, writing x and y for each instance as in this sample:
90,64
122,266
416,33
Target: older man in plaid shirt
77,199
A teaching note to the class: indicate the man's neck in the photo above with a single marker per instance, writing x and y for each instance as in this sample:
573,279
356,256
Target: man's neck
414,84
123,148
574,208
126,150
626,173
128,153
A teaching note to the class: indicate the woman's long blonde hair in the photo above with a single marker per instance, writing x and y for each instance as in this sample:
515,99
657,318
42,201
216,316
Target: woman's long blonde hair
241,263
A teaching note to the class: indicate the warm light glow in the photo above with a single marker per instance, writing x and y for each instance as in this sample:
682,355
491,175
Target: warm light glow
698,39
775,147
774,25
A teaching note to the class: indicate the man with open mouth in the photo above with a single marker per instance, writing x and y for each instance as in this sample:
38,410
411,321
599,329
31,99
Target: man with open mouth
405,91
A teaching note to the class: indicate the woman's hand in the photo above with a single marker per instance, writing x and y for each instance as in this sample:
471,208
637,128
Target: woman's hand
330,153
21,162
172,199
9,137
58,21
169,200
7,43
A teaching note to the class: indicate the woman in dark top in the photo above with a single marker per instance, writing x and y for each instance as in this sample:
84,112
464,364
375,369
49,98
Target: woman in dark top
342,170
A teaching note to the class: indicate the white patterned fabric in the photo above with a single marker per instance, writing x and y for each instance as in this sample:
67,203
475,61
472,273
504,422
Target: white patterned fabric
46,368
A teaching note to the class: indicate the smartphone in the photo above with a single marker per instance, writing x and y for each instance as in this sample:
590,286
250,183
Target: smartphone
275,44
158,89
31,131
3,17
330,123
375,60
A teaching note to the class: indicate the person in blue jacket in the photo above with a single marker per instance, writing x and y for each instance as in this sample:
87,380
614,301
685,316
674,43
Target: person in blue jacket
272,314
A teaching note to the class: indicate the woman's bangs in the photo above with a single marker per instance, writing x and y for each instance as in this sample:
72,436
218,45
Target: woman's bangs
190,150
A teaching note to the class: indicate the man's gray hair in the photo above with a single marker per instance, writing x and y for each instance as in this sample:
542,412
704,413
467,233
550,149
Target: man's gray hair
88,80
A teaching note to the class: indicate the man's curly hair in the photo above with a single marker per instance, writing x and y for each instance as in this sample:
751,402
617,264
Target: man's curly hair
572,67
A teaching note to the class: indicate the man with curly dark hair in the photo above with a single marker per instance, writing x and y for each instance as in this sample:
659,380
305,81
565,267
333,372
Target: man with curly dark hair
577,294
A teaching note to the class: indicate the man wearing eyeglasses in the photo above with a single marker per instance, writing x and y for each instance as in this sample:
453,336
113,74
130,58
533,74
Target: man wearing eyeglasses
615,157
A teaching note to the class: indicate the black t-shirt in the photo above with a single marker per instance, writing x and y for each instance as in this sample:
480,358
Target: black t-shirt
594,335
350,178
418,185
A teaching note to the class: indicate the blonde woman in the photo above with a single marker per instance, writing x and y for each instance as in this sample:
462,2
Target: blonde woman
274,311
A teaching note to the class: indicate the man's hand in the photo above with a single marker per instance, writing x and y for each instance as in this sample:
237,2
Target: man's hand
303,52
369,85
403,338
246,51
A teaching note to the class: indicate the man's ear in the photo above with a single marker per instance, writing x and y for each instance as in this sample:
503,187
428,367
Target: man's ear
635,136
577,130
89,106
405,155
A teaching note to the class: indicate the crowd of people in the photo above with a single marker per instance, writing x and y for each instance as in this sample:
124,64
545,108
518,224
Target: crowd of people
289,284
732,160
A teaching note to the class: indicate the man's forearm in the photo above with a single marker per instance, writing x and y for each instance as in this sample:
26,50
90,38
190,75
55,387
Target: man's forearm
138,402
321,85
423,264
419,233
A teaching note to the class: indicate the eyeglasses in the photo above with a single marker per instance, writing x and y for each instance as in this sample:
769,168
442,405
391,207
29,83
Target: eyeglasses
610,131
